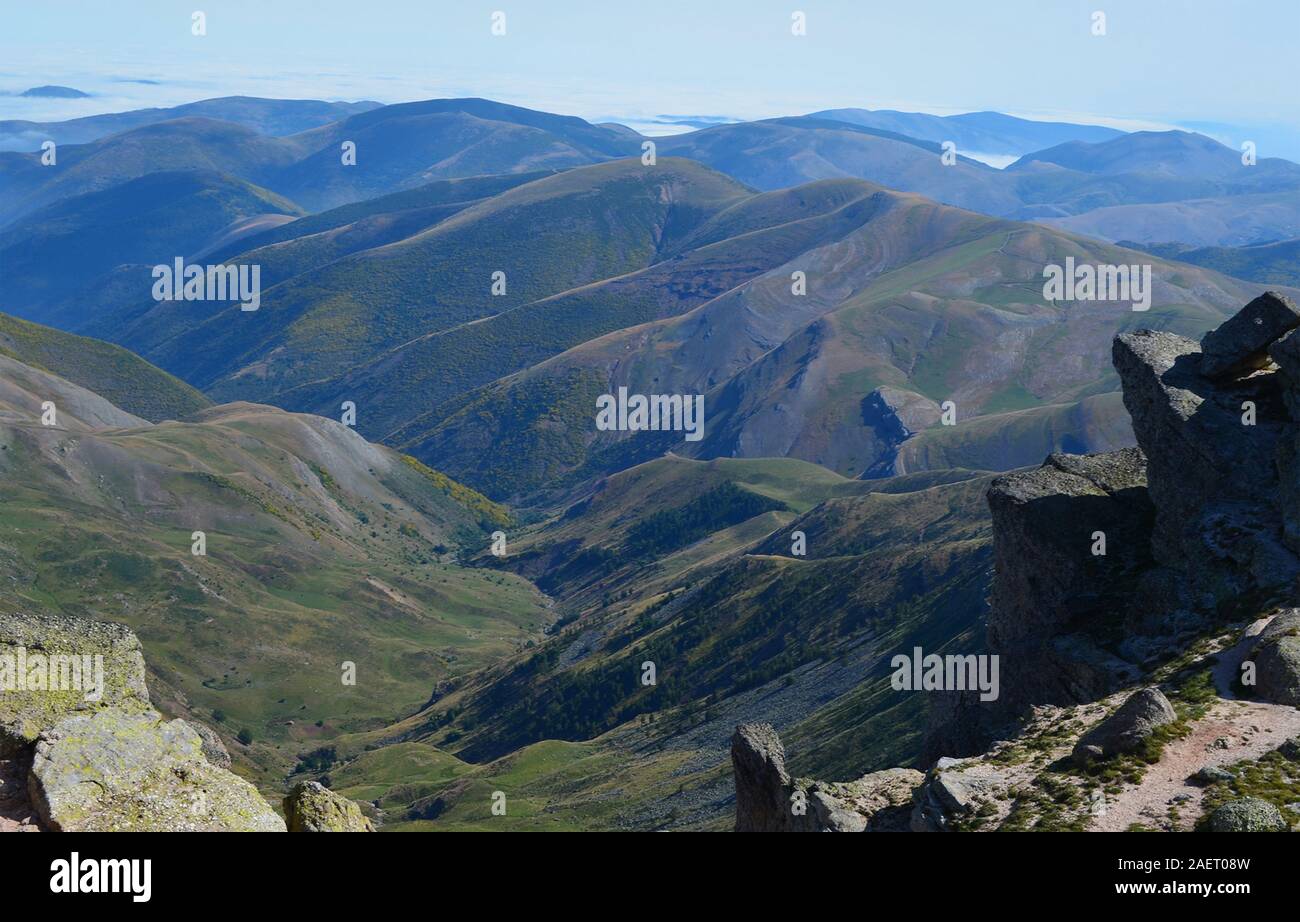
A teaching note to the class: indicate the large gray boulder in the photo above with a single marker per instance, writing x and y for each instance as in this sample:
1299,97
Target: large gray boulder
1128,727
955,790
118,771
312,807
1276,656
1240,344
1249,814
877,802
83,749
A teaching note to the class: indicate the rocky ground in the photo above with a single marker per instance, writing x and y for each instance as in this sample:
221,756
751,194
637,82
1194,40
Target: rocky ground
1169,797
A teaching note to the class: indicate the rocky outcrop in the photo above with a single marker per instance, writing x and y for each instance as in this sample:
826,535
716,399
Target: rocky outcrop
312,807
82,748
114,771
93,665
1203,514
1212,450
1069,539
1131,725
763,786
1044,523
1109,567
769,800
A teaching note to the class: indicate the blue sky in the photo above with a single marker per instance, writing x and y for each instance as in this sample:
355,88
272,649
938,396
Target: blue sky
1224,66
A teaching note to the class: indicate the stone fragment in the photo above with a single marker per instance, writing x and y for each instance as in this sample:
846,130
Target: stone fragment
312,807
1132,724
1240,344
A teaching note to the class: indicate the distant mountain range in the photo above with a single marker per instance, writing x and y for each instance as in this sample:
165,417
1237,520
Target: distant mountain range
276,117
1152,187
866,324
984,132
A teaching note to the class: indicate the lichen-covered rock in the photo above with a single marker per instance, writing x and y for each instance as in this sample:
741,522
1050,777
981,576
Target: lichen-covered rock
1240,344
97,664
769,800
1277,660
114,770
1132,724
1249,814
1212,774
312,807
213,749
955,790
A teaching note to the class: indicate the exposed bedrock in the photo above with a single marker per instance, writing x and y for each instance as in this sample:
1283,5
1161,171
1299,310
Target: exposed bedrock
769,800
1216,462
82,748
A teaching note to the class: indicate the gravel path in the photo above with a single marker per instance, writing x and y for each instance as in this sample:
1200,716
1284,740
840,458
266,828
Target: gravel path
1231,731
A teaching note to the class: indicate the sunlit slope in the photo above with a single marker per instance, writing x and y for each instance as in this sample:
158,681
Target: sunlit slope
321,549
547,236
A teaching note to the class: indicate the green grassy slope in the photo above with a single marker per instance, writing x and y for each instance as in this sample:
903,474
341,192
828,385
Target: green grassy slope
110,371
550,235
321,549
1275,263
575,740
964,320
752,237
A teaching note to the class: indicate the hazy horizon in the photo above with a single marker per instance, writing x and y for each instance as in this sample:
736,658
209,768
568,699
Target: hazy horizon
677,58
